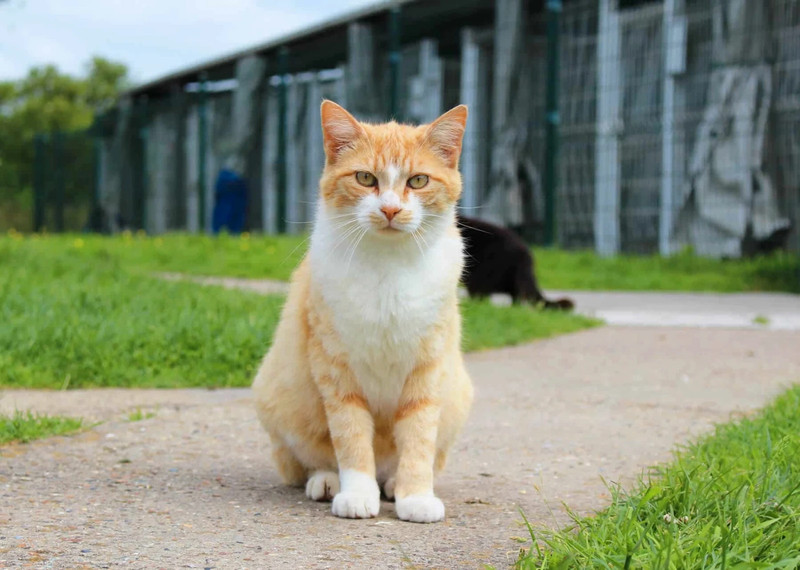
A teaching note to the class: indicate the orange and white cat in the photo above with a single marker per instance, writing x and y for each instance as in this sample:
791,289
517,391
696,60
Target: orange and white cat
365,383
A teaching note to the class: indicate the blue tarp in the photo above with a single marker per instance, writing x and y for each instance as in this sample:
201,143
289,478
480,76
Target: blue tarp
230,202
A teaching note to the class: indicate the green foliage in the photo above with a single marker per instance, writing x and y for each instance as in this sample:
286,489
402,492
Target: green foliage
26,426
105,80
731,500
85,321
82,311
273,257
489,326
558,269
47,101
138,415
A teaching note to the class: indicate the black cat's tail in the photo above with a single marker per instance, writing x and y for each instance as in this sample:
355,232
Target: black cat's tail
562,304
529,291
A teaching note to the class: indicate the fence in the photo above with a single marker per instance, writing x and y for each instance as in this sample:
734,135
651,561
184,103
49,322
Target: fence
64,181
676,123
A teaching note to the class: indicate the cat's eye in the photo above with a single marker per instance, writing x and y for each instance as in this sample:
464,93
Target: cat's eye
366,178
418,181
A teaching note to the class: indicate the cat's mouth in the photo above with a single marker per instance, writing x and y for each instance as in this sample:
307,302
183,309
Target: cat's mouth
389,230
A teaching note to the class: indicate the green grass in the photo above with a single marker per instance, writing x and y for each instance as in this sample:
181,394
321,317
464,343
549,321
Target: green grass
272,257
138,415
276,256
488,326
75,322
730,500
77,313
26,426
585,270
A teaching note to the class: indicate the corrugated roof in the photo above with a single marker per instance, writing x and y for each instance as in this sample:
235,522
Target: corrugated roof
193,72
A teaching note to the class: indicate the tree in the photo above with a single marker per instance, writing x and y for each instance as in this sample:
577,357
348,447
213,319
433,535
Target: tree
105,81
48,101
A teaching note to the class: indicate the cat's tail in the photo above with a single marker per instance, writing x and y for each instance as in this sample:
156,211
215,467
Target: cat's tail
528,287
562,304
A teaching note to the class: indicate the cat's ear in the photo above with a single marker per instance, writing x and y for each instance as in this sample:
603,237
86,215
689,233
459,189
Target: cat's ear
339,129
445,134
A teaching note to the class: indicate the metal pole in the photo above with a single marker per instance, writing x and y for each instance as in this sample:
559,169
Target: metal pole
201,153
552,122
145,180
283,66
59,174
394,62
98,178
39,192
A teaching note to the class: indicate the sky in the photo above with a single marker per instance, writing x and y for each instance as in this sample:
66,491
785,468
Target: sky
153,37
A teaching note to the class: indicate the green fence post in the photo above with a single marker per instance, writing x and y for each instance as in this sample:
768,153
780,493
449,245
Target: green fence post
39,191
98,175
202,138
283,68
143,136
552,122
59,176
394,62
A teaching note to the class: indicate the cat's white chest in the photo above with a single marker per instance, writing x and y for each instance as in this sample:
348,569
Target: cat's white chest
382,307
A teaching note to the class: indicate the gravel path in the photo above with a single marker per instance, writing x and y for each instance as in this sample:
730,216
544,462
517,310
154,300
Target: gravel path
193,486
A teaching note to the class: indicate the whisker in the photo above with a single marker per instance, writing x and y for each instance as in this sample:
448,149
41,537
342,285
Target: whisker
353,249
463,225
345,224
291,253
417,238
341,215
345,236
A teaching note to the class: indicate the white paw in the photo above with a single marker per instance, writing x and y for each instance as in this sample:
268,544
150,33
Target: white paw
322,486
420,508
353,505
388,488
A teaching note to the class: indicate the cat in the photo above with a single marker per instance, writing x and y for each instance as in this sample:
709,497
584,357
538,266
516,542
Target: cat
498,261
365,385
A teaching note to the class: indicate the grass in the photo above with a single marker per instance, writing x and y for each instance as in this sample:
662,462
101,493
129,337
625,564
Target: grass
585,270
75,322
488,326
730,500
77,313
761,320
138,415
273,257
26,426
276,256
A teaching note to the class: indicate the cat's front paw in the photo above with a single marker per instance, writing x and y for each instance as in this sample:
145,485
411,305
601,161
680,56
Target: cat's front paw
322,485
420,508
356,505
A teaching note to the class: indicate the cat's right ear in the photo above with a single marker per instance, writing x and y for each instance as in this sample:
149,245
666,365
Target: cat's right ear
339,129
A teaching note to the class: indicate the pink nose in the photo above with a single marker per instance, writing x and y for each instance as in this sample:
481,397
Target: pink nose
390,211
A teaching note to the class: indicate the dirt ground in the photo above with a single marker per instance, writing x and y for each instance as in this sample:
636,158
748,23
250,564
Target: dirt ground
193,485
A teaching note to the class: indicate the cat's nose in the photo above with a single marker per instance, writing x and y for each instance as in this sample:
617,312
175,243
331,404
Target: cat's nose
390,211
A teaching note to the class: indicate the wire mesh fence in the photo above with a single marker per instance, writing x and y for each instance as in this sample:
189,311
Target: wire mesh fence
64,181
677,123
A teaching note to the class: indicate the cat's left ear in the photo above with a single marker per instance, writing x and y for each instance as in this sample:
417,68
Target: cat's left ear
339,129
445,134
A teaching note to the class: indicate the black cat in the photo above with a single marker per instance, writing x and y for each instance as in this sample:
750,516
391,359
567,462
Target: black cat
498,261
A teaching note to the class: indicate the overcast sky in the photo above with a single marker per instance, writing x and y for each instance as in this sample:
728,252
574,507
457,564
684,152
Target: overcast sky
153,37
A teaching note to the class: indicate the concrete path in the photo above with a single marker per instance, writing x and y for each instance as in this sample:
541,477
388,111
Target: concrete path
771,311
193,486
774,311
